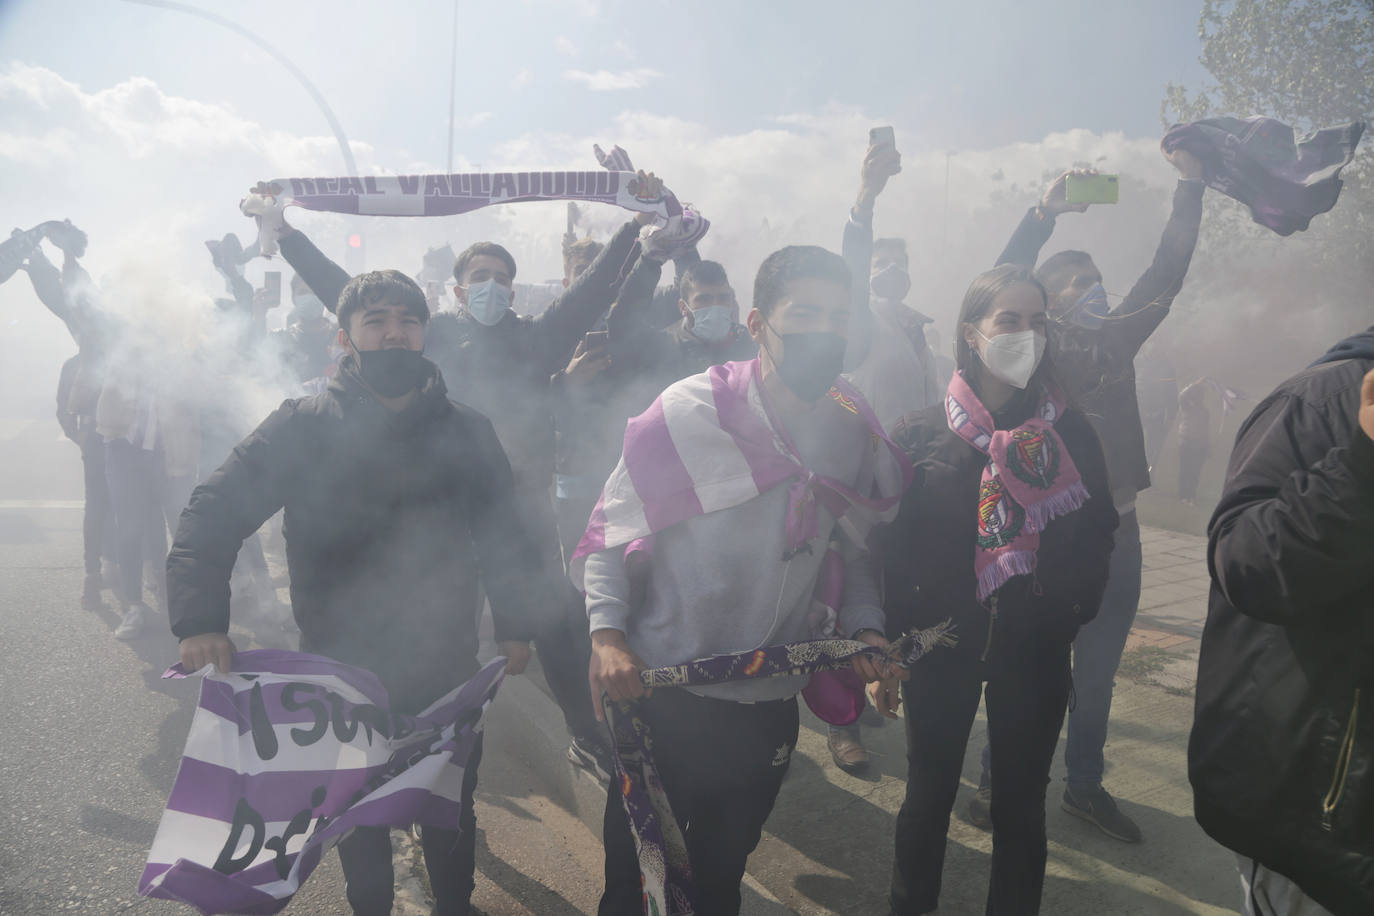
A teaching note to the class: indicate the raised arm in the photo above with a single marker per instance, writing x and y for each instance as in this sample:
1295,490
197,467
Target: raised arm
1132,322
572,314
325,278
1289,541
1037,225
880,164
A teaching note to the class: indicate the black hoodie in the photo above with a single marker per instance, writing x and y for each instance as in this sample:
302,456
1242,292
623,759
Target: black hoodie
390,518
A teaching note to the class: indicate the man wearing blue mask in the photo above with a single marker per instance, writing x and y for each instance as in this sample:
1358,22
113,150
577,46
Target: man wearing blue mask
1095,348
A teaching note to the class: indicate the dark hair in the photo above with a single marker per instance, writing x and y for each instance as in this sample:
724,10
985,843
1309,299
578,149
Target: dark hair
381,286
796,262
460,266
978,302
579,251
702,273
1053,270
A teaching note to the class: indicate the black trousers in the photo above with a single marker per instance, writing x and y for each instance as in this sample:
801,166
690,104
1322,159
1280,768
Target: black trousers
450,860
565,649
97,523
722,765
1027,694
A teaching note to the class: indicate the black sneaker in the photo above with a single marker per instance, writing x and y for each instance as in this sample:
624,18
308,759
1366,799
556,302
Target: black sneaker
592,755
979,810
1098,808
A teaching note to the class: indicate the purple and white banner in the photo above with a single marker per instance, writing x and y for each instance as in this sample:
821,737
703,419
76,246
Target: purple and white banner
445,195
285,757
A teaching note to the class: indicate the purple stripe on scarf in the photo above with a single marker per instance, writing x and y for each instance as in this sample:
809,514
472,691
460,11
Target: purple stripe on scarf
656,468
207,790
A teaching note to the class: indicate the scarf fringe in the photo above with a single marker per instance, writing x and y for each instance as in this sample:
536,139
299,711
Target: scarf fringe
1071,499
916,644
1004,566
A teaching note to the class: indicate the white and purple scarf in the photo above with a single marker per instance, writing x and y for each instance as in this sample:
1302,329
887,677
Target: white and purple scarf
709,443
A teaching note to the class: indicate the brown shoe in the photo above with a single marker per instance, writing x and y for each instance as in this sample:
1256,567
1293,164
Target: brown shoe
846,749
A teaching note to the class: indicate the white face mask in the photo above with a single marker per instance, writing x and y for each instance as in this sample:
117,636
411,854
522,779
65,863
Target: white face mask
488,302
1013,358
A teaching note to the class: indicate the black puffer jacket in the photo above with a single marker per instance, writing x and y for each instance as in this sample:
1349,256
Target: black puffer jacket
389,517
1281,757
928,552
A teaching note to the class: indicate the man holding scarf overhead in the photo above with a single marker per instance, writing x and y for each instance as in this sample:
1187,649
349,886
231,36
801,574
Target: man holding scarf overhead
742,496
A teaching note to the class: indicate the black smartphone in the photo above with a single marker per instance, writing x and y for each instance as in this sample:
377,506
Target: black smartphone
882,136
595,340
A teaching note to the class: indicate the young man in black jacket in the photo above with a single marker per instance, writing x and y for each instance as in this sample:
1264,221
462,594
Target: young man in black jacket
1095,350
1281,756
396,499
499,363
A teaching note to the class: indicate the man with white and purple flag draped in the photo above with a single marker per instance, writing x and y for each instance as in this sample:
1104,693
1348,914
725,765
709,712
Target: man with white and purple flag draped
736,520
396,501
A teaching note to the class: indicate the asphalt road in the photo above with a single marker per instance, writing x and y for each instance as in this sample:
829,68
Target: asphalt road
92,735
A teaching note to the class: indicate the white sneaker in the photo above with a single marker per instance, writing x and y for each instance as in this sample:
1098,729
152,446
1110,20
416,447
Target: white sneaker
137,618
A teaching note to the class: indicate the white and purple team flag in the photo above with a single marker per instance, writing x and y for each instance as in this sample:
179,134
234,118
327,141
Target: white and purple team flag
284,758
445,195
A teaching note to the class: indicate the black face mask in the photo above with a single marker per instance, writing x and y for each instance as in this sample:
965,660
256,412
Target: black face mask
811,362
394,372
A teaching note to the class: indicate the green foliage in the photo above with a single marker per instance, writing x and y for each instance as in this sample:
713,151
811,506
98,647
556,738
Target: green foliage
1309,63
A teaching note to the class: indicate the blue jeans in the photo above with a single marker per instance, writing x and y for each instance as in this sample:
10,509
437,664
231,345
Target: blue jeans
1096,656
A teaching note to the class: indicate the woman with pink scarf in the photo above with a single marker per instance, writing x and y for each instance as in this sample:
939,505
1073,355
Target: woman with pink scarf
1007,528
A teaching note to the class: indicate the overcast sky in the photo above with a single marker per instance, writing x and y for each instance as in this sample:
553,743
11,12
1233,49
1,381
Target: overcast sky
145,125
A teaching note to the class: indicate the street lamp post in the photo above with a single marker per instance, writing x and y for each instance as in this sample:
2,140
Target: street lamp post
280,58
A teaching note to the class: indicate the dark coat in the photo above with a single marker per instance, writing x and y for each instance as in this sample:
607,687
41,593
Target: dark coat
1281,757
389,519
1097,367
928,552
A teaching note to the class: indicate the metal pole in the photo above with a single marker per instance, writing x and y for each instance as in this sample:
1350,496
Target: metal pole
452,85
280,58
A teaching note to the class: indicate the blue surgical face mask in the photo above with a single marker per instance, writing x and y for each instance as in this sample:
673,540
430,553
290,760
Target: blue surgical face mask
1090,310
712,323
488,302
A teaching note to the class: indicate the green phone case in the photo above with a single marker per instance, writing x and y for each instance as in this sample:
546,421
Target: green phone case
1091,189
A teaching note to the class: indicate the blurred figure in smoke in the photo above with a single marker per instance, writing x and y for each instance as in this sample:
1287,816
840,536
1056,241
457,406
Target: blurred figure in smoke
616,375
1194,439
1094,352
1279,756
500,363
68,297
396,500
303,346
1003,451
888,359
732,579
1157,393
149,418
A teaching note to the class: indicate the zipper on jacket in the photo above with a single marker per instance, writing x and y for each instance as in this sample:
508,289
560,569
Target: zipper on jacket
1333,795
992,621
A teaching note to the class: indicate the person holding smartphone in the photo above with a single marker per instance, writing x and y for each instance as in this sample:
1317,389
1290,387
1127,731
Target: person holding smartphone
1095,350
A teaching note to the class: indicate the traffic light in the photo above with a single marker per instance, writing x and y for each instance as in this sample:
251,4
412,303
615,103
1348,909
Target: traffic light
355,254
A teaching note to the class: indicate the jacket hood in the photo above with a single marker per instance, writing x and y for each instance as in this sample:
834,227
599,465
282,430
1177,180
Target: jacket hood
1358,346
